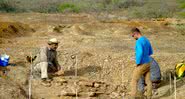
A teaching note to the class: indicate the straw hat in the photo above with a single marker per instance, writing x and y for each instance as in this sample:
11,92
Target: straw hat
53,41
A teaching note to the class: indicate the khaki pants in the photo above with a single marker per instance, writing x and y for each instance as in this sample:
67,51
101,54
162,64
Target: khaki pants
44,68
143,69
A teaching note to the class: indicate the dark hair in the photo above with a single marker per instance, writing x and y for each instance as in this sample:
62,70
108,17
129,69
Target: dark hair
135,30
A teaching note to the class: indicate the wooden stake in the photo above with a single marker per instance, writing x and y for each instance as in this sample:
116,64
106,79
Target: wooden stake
175,89
76,74
30,78
170,83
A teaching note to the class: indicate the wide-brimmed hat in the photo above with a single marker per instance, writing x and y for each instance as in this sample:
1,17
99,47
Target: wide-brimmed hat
53,41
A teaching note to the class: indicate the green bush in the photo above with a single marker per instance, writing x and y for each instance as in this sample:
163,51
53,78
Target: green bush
130,3
180,28
181,8
7,6
43,6
182,14
45,9
135,8
68,7
152,10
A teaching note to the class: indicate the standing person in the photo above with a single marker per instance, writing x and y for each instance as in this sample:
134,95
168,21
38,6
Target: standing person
143,50
47,62
155,77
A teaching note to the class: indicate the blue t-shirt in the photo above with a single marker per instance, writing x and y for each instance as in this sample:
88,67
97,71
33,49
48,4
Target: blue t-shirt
143,50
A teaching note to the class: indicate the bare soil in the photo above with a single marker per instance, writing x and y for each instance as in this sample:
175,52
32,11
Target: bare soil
103,49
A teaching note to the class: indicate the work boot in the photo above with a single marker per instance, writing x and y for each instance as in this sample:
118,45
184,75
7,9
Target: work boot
59,73
46,82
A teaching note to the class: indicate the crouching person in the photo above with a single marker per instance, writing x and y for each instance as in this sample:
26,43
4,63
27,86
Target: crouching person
46,62
155,77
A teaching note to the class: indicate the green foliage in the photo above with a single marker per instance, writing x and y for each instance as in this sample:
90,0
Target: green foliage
182,5
160,9
135,8
180,28
130,3
182,14
181,8
45,9
7,6
68,7
43,6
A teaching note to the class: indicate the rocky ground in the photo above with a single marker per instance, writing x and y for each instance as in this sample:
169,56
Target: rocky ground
103,51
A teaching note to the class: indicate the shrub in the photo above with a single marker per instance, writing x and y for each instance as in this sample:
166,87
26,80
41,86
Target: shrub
68,7
181,8
130,3
135,8
152,10
43,6
7,6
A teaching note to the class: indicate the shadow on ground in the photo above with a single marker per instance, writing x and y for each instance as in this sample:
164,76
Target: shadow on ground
171,91
82,71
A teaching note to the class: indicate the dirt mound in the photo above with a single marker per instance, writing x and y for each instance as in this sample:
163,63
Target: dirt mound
13,29
71,29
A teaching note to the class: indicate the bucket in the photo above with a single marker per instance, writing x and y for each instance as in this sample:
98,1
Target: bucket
4,60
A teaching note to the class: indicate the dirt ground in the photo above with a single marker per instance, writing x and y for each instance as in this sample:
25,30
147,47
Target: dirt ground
103,50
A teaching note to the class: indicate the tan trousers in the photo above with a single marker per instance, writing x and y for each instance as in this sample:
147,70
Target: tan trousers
44,68
143,69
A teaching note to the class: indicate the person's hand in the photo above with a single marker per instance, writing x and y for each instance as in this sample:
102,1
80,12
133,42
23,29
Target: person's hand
132,58
60,72
138,64
58,68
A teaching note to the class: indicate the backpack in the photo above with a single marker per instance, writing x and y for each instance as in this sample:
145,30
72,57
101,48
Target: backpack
180,70
155,70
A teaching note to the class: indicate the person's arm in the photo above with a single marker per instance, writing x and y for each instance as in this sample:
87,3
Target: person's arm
150,49
139,52
60,71
56,62
43,54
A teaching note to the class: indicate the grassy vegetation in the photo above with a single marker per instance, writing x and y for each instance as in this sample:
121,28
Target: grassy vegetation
68,7
7,6
157,9
182,8
135,8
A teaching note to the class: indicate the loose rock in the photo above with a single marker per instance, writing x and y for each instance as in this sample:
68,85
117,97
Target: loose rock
97,85
72,94
86,83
